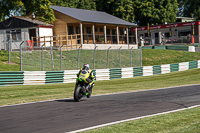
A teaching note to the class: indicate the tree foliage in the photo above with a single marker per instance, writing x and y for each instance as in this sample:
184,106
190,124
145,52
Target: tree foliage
181,4
119,8
81,4
40,8
142,11
192,9
155,11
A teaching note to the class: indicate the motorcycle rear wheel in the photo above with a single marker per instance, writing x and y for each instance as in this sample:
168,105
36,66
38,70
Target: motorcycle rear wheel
89,95
77,94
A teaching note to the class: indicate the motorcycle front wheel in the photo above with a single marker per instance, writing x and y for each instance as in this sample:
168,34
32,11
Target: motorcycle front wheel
78,94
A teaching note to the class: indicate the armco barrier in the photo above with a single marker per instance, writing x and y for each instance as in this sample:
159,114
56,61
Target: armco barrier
174,67
165,69
137,71
177,47
11,78
193,64
156,69
54,77
171,47
34,77
115,73
69,76
159,47
145,71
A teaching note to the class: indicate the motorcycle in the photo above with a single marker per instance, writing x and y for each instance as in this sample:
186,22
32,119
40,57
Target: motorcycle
80,90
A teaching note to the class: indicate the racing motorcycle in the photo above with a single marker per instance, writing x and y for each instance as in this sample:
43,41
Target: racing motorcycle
80,90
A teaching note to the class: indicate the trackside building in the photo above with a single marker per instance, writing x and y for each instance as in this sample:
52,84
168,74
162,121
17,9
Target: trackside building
173,33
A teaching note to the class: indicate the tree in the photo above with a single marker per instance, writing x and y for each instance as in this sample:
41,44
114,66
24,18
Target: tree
81,4
192,9
122,9
40,8
119,8
7,5
181,4
155,11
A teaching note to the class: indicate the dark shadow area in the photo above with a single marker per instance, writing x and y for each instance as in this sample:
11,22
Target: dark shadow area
65,100
69,100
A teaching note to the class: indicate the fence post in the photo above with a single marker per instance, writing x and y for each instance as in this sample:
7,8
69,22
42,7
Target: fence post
42,56
94,57
9,44
141,56
61,57
119,57
131,56
52,64
78,57
108,56
21,55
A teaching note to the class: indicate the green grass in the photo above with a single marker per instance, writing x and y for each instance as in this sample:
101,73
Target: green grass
31,93
32,60
14,58
159,57
187,121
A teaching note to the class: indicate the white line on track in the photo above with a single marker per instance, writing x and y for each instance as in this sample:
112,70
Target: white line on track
116,122
99,95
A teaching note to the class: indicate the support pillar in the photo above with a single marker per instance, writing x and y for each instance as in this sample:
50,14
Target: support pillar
81,32
117,35
127,35
105,35
93,33
136,36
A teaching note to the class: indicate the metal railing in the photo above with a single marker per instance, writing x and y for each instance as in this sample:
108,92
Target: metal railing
111,39
54,58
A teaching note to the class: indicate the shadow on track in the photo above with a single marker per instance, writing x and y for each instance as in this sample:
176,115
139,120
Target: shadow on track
70,100
65,100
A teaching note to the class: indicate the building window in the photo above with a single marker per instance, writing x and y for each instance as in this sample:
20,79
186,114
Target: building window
184,32
101,29
15,35
77,30
96,30
121,32
108,31
70,30
88,30
167,34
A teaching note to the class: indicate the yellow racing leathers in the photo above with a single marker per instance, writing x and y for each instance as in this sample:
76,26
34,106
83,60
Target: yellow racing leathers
87,76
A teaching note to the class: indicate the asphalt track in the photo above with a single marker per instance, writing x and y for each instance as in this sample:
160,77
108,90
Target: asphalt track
62,116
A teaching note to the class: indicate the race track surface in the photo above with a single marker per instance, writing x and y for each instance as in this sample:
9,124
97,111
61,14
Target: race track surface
66,115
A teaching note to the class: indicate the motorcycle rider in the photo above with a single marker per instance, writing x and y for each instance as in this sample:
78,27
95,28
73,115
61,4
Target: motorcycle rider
87,76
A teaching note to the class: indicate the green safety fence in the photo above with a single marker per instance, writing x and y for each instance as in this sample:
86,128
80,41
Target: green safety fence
193,64
54,77
159,47
115,73
11,78
137,71
174,67
177,47
156,69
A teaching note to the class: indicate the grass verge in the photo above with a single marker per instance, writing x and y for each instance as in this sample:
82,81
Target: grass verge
22,94
186,121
